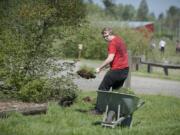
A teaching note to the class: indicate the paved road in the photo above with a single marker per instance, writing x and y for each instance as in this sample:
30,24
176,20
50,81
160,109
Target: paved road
141,85
144,85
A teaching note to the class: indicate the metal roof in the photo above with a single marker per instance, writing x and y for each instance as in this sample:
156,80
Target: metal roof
132,24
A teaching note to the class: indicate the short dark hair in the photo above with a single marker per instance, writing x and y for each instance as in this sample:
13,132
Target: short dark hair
108,30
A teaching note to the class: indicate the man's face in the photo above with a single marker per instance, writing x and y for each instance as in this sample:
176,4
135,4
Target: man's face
105,35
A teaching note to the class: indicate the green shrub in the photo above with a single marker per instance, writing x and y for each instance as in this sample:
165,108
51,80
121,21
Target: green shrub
95,47
26,35
62,89
67,43
34,91
137,42
40,90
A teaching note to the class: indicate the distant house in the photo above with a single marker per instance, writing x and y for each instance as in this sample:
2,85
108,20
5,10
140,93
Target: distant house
149,26
139,25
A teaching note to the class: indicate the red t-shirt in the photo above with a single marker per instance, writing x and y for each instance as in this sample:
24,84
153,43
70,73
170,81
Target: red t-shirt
117,46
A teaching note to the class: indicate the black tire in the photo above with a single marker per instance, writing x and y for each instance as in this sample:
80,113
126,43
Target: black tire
127,122
110,116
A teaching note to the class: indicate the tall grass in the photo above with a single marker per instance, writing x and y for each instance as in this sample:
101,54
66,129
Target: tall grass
159,116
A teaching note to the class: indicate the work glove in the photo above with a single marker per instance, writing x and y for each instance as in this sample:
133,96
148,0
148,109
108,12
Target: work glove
97,70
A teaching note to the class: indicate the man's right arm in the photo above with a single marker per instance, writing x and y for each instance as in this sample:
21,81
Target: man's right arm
108,60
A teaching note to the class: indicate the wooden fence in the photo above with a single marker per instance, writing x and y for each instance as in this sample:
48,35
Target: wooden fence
136,61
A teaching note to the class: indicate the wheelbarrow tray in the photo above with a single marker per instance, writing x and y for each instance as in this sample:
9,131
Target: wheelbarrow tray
128,103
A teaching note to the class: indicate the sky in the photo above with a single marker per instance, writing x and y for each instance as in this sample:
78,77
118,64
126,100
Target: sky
156,6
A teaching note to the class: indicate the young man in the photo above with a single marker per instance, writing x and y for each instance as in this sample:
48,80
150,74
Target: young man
162,45
117,59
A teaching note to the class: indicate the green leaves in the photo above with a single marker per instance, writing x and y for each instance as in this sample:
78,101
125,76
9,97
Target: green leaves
33,91
135,40
27,33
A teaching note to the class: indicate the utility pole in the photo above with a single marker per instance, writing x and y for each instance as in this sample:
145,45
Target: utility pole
127,83
178,36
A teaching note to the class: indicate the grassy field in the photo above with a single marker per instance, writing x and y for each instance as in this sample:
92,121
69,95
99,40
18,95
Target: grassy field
157,72
160,115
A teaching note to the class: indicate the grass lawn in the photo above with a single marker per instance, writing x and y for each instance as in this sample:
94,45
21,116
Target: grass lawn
157,75
160,115
174,74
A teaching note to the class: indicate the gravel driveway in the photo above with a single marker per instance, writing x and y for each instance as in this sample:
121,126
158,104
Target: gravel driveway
141,85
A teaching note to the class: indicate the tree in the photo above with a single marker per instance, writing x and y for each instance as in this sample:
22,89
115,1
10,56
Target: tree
71,12
152,17
143,10
128,13
172,21
27,32
161,16
94,12
110,7
172,11
90,1
119,11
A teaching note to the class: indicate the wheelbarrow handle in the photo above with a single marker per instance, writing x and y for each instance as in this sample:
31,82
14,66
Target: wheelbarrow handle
141,103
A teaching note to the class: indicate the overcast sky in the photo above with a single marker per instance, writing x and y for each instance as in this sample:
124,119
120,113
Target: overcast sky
156,6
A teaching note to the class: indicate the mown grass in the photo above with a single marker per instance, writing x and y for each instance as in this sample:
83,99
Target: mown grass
160,115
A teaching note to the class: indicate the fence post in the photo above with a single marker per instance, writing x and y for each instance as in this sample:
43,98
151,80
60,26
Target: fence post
149,68
166,71
80,47
127,83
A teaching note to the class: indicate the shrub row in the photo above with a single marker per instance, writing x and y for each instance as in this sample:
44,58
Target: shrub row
94,46
41,90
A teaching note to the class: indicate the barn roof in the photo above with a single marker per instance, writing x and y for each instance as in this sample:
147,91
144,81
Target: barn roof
131,24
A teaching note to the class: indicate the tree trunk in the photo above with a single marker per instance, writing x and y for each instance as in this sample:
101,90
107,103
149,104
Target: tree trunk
25,111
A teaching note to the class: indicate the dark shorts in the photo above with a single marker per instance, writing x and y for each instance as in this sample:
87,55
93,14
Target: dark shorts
162,49
114,79
178,49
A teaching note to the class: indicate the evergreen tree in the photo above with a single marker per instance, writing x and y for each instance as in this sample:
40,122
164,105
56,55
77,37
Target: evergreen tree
90,1
128,13
161,16
119,11
142,13
172,21
110,7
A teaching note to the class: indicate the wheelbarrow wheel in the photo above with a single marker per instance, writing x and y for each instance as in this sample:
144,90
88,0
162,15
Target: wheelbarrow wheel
110,116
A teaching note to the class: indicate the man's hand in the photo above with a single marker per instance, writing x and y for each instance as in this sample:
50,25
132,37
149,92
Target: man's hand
98,70
108,60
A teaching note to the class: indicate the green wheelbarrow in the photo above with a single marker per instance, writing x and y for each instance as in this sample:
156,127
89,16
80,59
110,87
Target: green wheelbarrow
118,107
